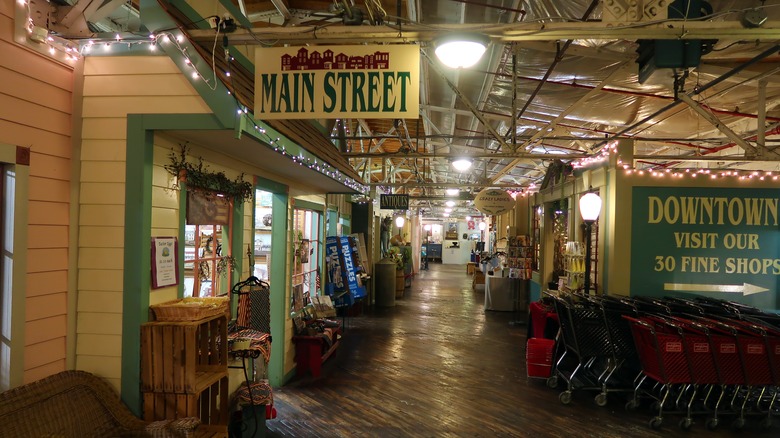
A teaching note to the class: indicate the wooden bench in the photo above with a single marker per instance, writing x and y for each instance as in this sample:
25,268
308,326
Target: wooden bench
310,352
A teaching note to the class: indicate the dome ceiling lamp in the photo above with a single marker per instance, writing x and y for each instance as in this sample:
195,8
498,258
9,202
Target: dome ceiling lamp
462,164
461,50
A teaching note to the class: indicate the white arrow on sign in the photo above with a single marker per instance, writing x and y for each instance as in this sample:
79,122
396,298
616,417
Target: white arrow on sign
744,289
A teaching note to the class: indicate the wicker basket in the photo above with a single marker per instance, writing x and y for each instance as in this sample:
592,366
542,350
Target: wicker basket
190,309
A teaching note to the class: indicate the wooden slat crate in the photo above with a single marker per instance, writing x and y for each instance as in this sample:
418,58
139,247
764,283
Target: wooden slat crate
210,405
183,357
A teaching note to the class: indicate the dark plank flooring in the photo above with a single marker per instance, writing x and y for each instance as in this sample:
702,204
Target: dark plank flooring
438,365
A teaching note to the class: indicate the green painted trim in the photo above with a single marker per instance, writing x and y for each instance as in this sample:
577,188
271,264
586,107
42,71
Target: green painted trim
346,217
237,241
308,205
182,234
279,264
270,186
236,13
137,255
223,105
333,219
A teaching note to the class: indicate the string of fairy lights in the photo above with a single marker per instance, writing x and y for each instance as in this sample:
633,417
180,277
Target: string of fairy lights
73,51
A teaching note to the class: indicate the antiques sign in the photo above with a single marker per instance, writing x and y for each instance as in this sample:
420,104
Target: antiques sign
717,242
393,202
337,81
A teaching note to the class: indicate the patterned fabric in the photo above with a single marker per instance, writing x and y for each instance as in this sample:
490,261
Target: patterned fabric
259,341
254,308
256,394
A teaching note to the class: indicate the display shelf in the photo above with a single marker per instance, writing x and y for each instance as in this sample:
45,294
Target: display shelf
519,257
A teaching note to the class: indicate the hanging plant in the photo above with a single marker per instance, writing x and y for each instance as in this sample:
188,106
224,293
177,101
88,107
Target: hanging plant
225,264
199,176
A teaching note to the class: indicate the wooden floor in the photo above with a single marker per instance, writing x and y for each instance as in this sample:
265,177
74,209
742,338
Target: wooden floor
438,365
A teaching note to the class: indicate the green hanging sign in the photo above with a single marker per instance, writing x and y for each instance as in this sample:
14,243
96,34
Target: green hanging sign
717,242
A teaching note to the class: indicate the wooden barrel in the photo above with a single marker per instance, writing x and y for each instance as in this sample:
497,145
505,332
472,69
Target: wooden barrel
399,283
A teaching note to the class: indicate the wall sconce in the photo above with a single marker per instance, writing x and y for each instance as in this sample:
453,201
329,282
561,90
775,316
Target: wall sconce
461,50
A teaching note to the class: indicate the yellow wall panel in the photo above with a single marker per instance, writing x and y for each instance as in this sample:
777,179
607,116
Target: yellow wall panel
101,258
167,232
30,114
38,373
38,140
103,215
102,192
48,189
103,150
49,166
100,323
101,280
165,217
42,260
44,283
47,213
104,128
104,366
45,352
47,236
140,85
99,345
31,64
163,295
46,306
160,176
100,301
128,65
93,236
165,198
32,90
42,330
102,106
102,172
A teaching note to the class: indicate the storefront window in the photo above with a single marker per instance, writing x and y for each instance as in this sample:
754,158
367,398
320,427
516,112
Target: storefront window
560,224
536,236
206,266
306,256
263,226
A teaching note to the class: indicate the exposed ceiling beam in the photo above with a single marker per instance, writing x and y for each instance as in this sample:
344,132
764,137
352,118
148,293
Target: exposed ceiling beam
520,31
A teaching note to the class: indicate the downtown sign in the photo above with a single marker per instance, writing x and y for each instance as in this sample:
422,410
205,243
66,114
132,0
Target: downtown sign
328,82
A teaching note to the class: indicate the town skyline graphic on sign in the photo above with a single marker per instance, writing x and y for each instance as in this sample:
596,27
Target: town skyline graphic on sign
326,60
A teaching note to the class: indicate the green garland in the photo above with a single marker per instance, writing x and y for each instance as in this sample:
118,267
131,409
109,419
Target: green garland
199,177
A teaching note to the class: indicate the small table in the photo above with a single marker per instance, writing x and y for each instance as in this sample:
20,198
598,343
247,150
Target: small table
471,268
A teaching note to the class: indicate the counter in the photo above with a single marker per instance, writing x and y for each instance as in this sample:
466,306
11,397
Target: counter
456,256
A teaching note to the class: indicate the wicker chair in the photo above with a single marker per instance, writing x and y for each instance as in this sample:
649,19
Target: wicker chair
77,404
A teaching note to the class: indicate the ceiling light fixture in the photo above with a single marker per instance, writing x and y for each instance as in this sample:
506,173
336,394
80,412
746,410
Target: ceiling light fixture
450,203
452,192
462,164
461,50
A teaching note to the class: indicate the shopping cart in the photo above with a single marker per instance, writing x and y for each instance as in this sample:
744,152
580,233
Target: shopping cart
664,359
586,339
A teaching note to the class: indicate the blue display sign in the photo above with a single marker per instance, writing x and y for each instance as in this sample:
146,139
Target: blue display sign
342,273
718,242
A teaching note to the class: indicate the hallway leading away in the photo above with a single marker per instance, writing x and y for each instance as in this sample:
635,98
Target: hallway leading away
439,365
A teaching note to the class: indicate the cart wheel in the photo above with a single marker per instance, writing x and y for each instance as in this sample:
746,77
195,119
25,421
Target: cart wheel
711,423
565,397
686,423
766,423
552,382
655,422
738,423
601,399
632,404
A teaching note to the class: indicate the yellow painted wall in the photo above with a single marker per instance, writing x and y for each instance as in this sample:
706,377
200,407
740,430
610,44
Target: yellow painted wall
113,88
36,112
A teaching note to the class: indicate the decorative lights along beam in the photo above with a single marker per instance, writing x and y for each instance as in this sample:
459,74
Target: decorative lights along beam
725,158
670,30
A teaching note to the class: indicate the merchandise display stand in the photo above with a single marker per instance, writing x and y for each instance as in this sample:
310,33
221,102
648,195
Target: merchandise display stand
519,259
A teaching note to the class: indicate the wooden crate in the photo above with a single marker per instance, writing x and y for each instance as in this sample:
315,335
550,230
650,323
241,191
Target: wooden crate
183,357
210,405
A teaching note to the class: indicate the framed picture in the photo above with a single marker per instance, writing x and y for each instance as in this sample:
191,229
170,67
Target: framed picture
452,231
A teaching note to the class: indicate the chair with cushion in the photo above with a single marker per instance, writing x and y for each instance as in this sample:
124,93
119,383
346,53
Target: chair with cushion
77,404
